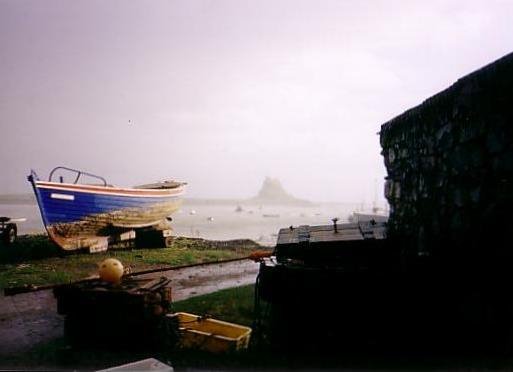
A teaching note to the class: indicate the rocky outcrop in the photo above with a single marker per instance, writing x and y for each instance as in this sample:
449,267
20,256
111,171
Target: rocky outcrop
272,192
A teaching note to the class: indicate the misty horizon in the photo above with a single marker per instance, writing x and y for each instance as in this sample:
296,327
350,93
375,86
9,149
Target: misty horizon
221,94
264,196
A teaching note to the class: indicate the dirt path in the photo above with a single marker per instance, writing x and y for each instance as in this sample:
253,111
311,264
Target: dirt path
31,318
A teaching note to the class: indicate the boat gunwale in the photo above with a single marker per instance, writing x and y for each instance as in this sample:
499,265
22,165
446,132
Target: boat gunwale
110,190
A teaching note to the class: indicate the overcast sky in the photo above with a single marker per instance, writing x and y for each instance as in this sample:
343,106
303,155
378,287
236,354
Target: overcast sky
222,93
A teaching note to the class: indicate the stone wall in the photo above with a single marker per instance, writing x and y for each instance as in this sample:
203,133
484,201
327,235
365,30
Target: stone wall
450,170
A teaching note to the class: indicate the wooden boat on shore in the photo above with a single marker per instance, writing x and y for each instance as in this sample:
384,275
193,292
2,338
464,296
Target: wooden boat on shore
88,216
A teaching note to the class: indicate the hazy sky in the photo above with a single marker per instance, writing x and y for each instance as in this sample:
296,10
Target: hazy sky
223,93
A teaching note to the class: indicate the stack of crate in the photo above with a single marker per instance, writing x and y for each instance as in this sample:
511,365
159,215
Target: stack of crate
127,315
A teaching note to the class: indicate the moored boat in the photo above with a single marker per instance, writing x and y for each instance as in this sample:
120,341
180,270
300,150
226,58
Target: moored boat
376,216
87,215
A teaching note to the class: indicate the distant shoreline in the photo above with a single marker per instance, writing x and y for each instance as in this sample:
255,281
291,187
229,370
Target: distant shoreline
17,199
29,199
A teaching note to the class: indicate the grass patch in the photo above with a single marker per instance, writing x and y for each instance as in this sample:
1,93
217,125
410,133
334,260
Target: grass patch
35,260
233,305
29,247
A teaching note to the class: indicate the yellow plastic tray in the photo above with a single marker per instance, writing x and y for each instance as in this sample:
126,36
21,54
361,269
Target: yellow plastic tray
210,334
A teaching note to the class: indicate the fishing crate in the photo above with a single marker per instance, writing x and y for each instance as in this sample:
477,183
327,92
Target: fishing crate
118,316
212,335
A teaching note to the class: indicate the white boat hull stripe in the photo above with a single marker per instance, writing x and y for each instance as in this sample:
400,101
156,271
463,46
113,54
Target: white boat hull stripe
62,196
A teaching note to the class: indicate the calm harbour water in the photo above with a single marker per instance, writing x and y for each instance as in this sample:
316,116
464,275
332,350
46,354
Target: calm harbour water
218,222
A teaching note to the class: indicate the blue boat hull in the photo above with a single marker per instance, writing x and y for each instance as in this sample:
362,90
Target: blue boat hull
81,216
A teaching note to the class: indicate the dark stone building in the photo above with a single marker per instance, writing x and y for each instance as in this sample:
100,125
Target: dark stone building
450,171
450,188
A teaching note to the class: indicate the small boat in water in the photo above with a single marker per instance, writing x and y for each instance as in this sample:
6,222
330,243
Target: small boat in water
271,215
375,215
89,215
